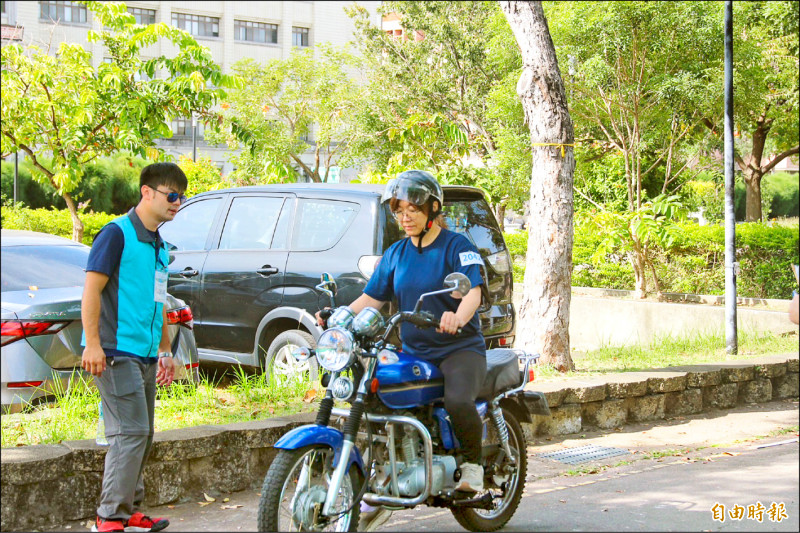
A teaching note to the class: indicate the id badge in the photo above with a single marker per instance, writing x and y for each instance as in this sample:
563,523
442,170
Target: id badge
160,292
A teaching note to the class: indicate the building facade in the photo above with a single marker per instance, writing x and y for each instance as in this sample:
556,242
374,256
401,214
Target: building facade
230,30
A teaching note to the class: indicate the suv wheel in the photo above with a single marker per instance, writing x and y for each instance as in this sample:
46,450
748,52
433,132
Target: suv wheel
281,361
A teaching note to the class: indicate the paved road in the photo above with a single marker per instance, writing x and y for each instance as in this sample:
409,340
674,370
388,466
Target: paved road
673,494
672,475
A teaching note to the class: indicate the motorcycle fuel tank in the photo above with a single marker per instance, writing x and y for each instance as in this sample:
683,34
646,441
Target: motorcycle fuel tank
409,382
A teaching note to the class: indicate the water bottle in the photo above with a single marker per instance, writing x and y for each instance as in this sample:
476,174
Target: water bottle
100,439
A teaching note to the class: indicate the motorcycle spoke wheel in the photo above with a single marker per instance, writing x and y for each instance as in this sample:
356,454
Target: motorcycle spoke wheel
506,498
294,492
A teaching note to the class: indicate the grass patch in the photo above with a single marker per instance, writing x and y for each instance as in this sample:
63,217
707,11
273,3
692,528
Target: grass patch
696,348
249,396
658,454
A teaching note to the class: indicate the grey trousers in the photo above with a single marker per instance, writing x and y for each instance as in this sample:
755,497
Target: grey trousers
128,392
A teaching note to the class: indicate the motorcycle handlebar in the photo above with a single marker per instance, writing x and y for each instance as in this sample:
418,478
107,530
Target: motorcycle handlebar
422,319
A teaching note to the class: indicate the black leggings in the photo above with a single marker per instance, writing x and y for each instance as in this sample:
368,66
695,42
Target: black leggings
464,373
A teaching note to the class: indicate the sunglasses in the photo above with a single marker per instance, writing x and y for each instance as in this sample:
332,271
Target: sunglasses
172,197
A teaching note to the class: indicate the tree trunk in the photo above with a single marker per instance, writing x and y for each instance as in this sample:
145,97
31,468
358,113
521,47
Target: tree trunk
752,183
543,324
77,224
500,214
639,274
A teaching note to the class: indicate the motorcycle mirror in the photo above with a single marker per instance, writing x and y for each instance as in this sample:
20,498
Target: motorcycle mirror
458,282
455,281
327,284
301,353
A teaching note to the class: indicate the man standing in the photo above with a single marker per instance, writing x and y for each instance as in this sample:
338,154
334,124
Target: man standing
126,343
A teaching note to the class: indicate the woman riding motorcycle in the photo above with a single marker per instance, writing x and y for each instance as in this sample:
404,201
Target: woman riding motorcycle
419,264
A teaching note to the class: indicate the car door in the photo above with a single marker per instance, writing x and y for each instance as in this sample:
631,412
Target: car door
188,236
242,279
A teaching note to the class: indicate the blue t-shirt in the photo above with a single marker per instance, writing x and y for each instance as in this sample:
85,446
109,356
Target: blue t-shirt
405,273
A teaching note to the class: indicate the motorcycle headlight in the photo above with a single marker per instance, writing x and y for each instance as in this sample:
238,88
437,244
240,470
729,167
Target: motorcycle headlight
368,322
335,349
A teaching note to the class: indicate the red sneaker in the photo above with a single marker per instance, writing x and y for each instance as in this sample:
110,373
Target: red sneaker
101,524
142,522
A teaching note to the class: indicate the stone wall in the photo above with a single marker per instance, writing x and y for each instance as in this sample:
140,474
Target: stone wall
44,485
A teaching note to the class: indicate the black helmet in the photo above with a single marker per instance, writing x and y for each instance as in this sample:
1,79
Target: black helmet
414,186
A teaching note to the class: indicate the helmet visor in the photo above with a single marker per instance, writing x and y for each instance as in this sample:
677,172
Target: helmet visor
407,190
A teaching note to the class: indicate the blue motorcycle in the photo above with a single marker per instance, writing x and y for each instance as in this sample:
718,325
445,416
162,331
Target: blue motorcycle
395,447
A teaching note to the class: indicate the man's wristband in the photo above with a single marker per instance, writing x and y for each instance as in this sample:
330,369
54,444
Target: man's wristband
164,354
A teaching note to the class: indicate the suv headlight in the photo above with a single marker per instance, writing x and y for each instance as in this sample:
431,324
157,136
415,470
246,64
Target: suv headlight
335,349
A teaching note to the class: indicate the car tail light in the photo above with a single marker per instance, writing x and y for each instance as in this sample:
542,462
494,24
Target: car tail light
505,341
14,330
181,316
531,375
24,384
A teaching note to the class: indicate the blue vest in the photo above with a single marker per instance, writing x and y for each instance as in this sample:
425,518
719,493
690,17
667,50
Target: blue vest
130,318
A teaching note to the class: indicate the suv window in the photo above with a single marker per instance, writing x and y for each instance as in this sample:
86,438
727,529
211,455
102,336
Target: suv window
321,223
240,232
481,230
189,229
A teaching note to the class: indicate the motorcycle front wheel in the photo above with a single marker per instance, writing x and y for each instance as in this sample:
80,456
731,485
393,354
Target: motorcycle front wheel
506,487
294,493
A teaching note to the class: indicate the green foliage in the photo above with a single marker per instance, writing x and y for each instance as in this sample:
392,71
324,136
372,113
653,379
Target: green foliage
59,106
637,80
464,71
202,175
695,264
109,184
52,221
273,115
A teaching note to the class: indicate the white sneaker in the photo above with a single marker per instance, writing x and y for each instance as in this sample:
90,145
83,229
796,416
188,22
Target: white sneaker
372,517
471,478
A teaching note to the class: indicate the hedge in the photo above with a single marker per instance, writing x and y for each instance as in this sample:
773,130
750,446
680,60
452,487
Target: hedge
696,265
53,221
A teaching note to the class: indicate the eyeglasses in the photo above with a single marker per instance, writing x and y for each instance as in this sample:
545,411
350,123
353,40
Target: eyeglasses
172,197
410,213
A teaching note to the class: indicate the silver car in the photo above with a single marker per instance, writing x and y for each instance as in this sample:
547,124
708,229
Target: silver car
42,283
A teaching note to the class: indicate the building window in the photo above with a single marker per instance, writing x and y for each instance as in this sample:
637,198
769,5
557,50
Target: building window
299,36
256,32
182,127
143,16
197,25
62,12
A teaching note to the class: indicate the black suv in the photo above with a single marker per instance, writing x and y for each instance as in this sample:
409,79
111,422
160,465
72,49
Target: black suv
246,260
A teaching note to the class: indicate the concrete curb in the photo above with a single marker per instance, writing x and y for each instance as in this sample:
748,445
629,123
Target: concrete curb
49,484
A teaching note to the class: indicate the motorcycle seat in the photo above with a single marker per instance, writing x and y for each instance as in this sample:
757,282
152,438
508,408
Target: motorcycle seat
502,372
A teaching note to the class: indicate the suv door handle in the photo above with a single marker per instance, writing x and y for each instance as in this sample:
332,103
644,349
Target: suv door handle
267,270
188,272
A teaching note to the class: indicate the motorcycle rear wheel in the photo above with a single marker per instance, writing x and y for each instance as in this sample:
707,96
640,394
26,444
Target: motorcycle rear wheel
473,519
285,506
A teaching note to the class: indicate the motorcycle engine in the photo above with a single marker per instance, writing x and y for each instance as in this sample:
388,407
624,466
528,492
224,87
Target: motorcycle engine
411,478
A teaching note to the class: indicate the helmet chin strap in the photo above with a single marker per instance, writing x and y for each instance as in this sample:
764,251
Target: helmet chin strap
428,225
